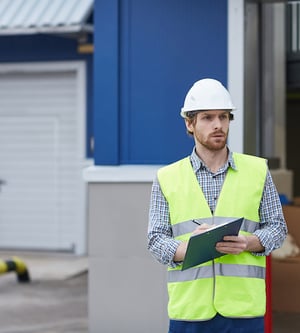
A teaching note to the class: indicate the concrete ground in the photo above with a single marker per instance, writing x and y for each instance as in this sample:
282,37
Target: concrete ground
55,301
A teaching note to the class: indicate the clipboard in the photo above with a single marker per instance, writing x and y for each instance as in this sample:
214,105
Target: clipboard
202,247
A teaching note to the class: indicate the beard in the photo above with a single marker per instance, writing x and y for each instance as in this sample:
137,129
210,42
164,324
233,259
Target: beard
214,142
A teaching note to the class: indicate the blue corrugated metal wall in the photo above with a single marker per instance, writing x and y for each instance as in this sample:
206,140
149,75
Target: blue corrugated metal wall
147,54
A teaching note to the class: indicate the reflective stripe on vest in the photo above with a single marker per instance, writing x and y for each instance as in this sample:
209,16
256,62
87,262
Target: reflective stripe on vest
202,272
188,226
232,285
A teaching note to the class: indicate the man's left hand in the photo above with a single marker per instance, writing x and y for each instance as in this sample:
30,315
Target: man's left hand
233,245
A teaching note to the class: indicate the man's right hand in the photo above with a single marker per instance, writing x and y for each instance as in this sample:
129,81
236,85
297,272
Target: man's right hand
201,228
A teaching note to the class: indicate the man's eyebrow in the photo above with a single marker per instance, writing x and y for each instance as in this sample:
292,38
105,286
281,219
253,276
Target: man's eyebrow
208,113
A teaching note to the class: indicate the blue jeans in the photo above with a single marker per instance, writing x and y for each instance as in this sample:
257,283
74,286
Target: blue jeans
219,324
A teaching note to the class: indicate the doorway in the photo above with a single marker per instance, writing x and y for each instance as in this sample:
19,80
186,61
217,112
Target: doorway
265,89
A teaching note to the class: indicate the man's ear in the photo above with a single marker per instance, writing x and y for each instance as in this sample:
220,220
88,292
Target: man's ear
189,125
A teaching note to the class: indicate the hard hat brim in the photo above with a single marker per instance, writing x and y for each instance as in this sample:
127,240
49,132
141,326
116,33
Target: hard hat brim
185,110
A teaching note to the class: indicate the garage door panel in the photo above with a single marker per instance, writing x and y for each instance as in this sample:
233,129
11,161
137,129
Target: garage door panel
27,201
39,160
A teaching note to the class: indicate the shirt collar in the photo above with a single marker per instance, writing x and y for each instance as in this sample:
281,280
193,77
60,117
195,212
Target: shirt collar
198,164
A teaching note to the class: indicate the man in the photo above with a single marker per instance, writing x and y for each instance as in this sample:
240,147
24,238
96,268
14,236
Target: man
226,294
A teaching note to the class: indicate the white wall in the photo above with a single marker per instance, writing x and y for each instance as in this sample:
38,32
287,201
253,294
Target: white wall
127,288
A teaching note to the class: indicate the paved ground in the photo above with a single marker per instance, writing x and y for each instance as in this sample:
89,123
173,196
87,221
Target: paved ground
55,301
57,306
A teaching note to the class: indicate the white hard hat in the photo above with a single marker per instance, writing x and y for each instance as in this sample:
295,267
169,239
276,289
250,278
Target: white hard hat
207,94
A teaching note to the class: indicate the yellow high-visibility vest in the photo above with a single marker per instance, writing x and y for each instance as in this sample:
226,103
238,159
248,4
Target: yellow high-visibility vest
232,285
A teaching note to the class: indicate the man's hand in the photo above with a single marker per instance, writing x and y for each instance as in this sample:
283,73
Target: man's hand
201,228
239,244
181,250
233,245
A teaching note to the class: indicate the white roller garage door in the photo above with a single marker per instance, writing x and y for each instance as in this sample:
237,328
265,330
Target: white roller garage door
42,202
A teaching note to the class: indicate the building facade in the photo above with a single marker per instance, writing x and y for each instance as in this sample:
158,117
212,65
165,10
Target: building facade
97,90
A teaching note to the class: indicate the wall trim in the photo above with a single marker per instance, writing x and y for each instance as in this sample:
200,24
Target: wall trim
235,65
120,174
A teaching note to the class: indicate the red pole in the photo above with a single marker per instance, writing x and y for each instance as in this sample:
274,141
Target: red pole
268,315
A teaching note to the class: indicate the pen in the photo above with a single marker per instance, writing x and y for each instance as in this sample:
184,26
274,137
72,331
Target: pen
195,221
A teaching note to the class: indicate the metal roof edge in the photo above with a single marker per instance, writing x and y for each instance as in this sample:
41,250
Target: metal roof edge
28,17
88,28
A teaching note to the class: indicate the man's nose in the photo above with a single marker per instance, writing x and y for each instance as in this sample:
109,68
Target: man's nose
216,123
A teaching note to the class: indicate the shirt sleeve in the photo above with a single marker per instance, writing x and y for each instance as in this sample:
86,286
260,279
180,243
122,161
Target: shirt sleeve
273,229
161,243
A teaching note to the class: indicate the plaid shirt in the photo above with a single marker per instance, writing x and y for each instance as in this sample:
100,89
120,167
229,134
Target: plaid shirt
163,246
